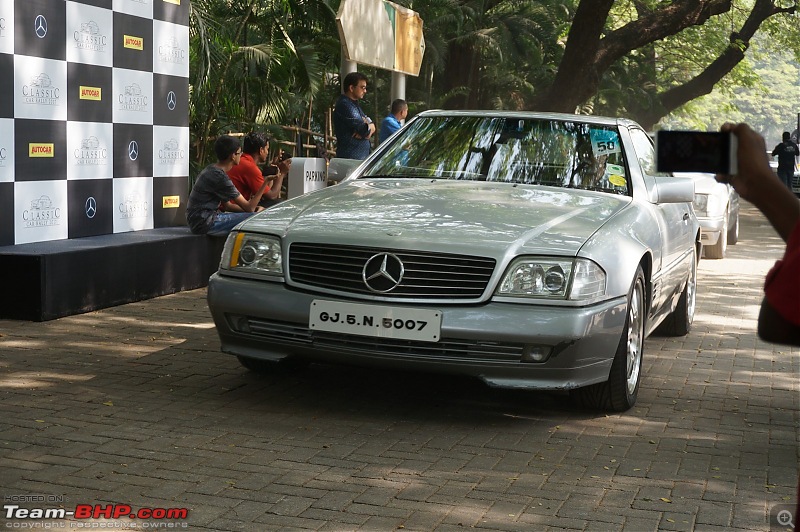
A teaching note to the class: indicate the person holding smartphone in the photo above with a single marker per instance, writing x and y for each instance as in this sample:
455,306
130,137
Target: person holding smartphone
247,177
779,318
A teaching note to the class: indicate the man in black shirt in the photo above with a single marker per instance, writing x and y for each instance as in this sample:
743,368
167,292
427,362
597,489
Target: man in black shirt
787,152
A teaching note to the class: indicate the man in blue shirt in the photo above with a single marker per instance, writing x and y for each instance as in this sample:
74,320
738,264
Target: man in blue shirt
352,127
394,121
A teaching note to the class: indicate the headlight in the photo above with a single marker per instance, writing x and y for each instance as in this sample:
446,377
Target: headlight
701,204
576,280
249,252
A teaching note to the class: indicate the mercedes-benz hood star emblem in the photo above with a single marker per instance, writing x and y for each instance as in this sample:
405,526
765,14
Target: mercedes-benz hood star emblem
383,272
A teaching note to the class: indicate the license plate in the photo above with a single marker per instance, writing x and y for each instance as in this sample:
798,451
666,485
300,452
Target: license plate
375,320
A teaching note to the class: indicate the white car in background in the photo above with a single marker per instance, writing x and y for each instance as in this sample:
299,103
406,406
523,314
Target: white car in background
716,206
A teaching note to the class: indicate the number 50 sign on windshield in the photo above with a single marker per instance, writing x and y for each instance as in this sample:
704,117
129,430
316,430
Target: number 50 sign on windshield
605,142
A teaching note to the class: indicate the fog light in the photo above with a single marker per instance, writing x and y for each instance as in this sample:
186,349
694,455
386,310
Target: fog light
535,353
239,323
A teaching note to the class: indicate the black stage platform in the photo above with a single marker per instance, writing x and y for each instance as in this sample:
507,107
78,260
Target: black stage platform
49,280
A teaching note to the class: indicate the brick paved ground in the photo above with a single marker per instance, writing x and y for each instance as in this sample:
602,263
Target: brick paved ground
135,405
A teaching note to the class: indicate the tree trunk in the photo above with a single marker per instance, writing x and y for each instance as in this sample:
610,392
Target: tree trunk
461,71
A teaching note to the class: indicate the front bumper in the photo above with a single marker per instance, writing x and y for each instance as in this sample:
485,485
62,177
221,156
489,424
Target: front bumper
711,229
270,321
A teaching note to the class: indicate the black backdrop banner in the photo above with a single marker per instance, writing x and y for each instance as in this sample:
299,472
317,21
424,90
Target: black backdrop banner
95,137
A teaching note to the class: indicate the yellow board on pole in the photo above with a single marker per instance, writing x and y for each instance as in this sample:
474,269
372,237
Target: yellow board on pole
381,34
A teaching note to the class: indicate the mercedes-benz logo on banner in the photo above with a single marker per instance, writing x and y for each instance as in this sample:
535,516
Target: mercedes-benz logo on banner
171,100
383,272
91,207
40,26
133,150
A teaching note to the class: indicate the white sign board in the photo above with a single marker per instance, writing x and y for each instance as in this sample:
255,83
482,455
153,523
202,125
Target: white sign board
307,174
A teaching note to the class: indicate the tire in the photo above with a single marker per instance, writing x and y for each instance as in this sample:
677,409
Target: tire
717,251
266,366
733,232
620,391
679,322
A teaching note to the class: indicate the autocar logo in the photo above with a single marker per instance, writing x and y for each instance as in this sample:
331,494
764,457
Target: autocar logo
91,207
40,26
133,150
171,101
383,272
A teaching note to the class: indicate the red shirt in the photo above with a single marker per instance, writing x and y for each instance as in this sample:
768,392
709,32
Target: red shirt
782,286
246,176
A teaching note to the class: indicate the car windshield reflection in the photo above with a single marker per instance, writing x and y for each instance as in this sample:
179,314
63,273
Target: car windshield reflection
508,150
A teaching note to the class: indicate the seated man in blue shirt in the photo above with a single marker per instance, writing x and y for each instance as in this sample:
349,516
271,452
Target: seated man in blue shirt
394,121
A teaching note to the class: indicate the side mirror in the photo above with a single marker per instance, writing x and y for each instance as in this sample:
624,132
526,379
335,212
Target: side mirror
339,168
674,190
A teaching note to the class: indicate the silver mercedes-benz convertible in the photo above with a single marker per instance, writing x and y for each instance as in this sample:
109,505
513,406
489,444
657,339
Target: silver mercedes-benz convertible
529,250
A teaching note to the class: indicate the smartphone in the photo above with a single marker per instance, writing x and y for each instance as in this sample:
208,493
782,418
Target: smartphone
696,151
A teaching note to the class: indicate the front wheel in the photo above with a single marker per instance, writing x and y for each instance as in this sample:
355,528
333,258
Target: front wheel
620,391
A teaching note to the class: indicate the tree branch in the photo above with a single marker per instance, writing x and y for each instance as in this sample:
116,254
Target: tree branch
704,82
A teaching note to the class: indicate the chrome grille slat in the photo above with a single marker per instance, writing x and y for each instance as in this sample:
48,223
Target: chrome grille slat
427,274
280,333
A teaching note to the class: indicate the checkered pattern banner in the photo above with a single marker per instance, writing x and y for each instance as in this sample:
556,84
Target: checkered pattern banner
95,137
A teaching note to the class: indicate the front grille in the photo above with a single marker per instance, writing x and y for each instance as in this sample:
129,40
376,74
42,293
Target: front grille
427,275
280,333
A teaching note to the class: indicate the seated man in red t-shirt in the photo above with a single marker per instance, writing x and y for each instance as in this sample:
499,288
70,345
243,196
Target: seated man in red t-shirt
247,177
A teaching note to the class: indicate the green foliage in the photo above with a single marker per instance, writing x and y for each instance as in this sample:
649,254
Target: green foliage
768,102
259,63
255,64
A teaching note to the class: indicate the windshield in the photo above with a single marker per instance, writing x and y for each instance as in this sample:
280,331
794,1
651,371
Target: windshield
510,150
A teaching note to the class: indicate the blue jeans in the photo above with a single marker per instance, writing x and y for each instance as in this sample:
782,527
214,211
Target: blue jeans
225,221
786,175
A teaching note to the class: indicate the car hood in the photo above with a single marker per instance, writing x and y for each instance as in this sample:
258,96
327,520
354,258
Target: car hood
704,183
440,215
